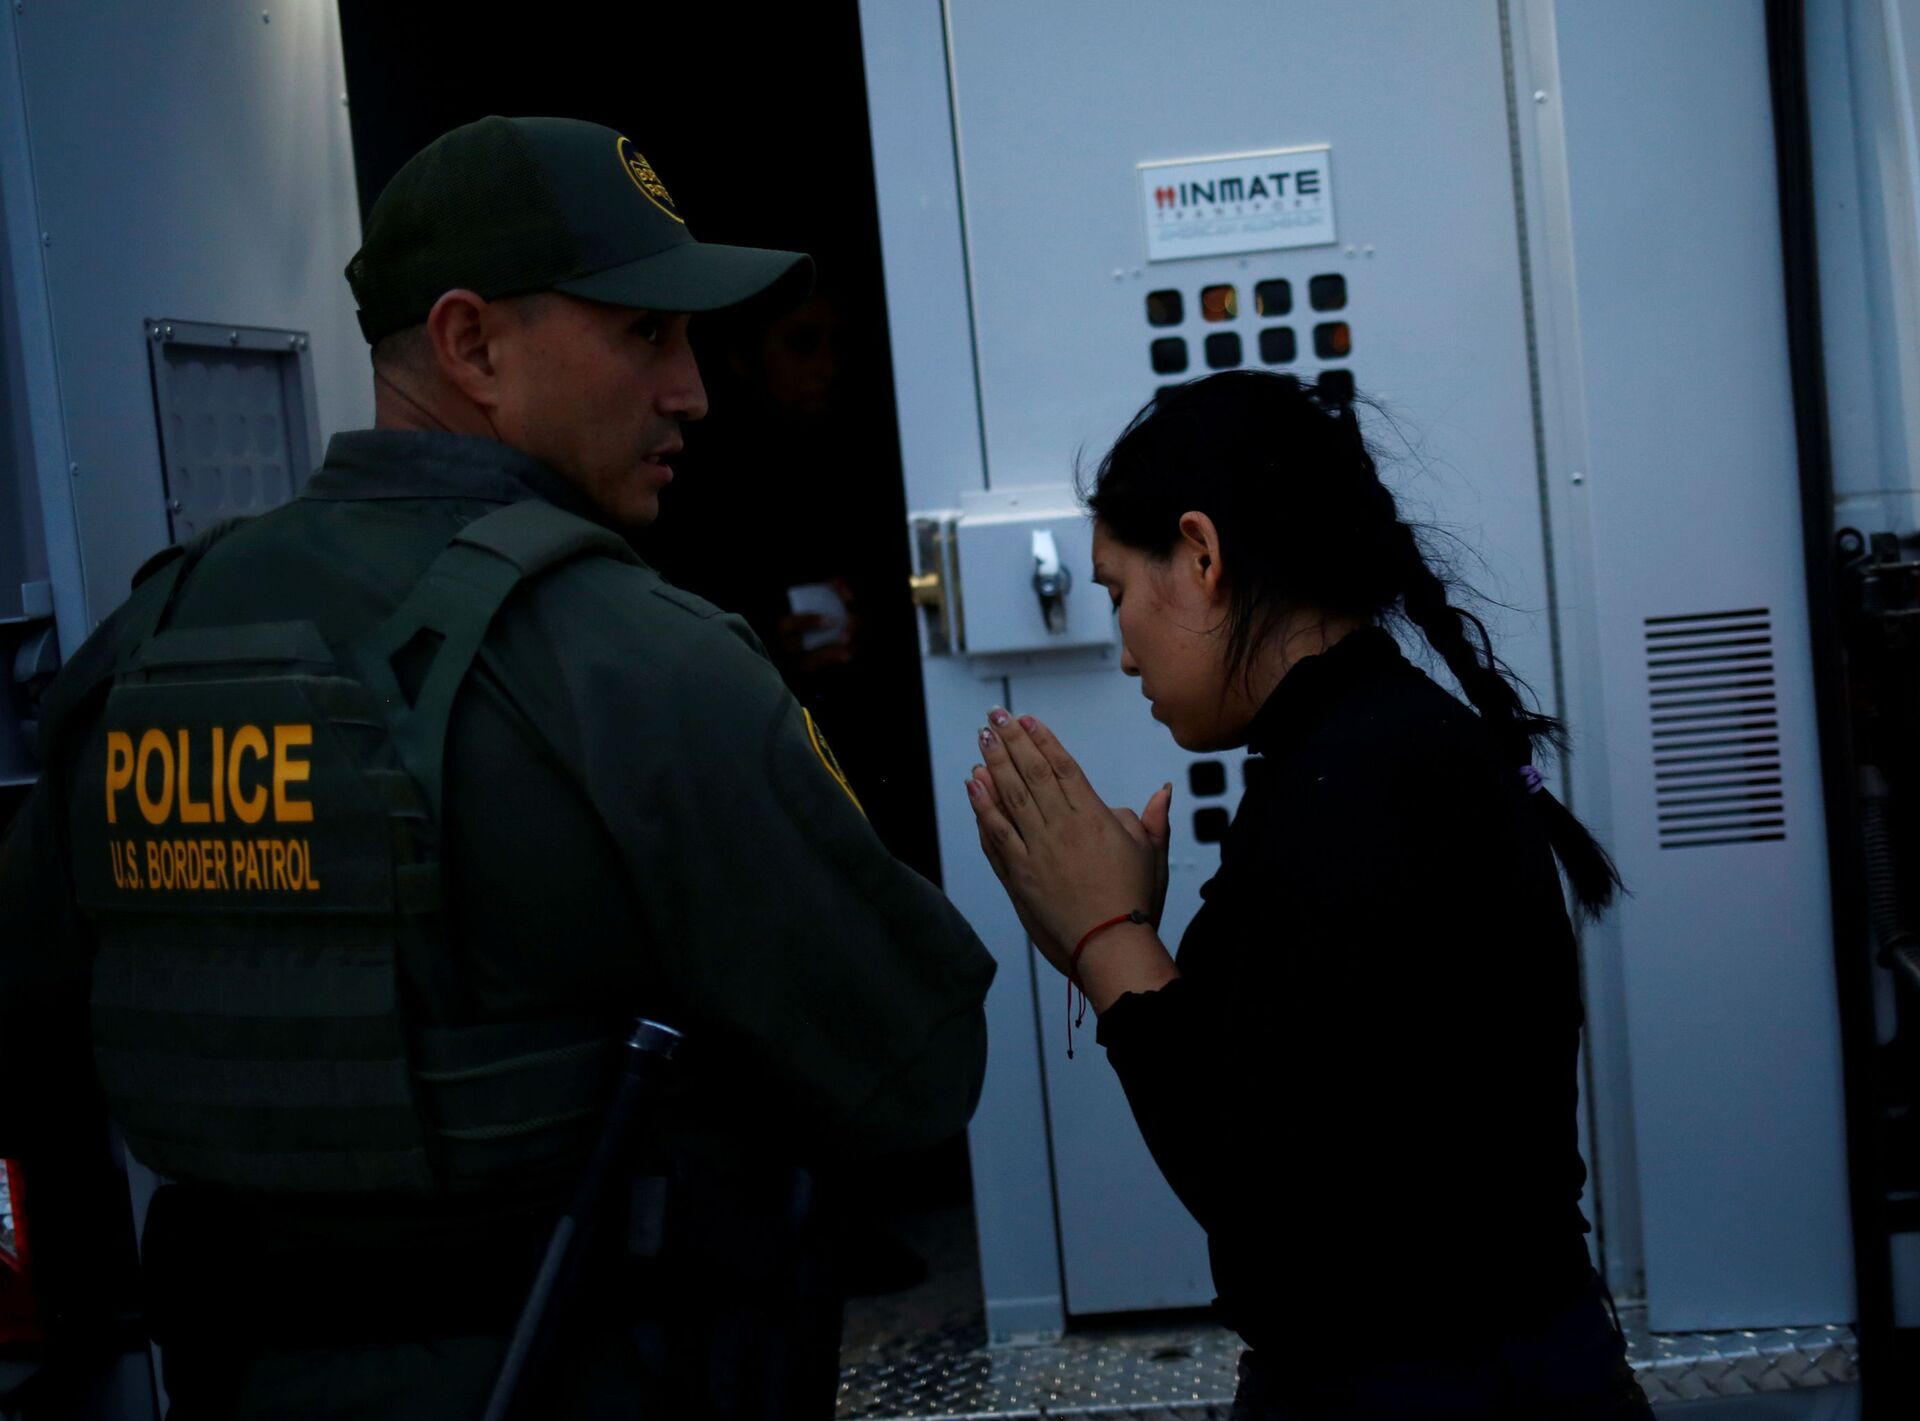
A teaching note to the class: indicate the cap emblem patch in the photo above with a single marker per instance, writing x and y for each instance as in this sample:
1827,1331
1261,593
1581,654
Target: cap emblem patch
644,178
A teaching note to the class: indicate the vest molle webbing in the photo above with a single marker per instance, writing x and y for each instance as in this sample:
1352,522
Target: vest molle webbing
254,827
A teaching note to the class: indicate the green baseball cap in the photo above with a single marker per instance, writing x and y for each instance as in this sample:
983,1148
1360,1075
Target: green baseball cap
507,206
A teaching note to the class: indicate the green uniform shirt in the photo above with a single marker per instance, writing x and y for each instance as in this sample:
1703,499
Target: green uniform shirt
638,818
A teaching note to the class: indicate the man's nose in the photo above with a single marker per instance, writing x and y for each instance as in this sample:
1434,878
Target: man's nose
1127,663
684,394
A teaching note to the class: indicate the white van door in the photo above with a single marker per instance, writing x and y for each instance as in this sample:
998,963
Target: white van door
1152,192
1545,238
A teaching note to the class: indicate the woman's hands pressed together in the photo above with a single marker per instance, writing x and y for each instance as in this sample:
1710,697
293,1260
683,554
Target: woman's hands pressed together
1069,861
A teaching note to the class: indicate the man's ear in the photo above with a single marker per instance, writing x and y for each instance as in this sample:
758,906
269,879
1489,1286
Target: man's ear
1198,553
459,332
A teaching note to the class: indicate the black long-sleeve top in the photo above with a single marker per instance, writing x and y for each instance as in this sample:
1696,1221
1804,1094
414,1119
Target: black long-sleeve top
1363,1083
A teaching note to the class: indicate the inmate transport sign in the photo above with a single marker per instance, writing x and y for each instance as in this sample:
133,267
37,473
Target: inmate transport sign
1245,202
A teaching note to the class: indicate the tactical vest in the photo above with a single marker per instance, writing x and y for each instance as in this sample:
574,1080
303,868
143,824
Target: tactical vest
254,830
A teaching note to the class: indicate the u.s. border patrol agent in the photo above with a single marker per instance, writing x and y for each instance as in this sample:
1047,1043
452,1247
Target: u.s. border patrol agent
370,824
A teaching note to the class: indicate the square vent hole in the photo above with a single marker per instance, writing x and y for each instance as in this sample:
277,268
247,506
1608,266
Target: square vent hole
1715,710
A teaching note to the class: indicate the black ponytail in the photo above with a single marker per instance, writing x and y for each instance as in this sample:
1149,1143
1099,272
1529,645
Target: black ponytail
1461,640
1305,522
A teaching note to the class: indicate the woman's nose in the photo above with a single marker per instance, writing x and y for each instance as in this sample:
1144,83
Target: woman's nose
1127,663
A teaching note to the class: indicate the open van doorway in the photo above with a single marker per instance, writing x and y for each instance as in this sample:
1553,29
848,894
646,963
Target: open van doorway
787,505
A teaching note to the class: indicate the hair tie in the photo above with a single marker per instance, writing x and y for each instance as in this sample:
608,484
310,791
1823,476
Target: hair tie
1535,780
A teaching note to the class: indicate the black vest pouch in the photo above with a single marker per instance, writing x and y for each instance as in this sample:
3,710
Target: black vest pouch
253,822
351,1151
250,852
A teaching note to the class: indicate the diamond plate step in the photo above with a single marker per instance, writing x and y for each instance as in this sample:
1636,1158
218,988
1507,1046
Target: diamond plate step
1187,1372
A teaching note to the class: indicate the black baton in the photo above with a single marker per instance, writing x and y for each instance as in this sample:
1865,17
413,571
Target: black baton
649,1064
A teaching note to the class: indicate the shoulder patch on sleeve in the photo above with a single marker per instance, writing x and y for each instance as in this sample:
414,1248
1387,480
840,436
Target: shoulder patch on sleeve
827,758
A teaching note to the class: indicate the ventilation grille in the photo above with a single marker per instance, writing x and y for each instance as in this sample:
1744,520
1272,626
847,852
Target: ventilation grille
1716,729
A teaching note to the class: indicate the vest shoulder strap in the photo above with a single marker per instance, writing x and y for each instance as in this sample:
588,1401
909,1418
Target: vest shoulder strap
535,536
444,620
100,659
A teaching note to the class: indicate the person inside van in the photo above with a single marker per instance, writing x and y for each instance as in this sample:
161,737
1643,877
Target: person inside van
1358,1073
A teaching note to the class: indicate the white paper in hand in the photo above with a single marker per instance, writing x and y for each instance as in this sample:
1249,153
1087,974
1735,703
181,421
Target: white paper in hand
819,599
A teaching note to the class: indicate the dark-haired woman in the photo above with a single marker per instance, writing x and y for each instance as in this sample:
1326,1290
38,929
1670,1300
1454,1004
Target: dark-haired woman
1359,1072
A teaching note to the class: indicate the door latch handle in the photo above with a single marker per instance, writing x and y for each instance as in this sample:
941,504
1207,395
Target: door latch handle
929,587
1051,580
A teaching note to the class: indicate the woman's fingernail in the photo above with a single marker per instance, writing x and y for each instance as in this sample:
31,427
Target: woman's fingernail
973,788
998,716
1026,722
987,737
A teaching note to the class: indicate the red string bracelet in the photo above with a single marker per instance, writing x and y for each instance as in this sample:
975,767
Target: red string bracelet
1073,968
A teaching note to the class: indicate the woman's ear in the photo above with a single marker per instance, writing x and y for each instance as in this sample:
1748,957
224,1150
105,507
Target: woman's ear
1198,552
